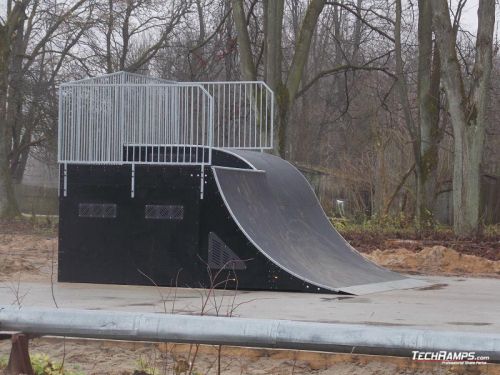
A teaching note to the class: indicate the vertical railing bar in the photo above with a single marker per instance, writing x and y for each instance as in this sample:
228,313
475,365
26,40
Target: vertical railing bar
76,145
250,108
91,123
72,120
245,117
99,128
60,127
173,107
186,127
198,131
256,114
272,119
124,127
132,98
103,126
267,102
218,111
95,99
260,118
223,115
239,115
98,125
68,114
233,122
159,129
192,121
211,129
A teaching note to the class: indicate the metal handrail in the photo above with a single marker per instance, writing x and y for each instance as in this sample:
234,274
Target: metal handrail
266,333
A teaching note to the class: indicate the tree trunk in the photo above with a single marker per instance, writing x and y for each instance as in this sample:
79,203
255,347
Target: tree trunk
467,111
428,104
17,173
8,203
284,93
273,26
246,59
273,34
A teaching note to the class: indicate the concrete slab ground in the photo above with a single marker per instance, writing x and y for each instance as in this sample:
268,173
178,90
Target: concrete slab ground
448,303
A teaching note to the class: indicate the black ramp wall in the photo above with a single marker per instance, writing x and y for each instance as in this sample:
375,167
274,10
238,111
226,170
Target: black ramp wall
279,213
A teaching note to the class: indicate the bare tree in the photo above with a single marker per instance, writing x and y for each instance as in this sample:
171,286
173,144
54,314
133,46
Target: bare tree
424,133
128,35
467,108
38,35
286,88
9,29
429,134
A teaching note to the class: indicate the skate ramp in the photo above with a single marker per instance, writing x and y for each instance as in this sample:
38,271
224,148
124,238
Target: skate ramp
277,210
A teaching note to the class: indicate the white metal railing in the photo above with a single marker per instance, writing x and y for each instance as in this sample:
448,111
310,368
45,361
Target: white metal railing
126,118
243,114
115,123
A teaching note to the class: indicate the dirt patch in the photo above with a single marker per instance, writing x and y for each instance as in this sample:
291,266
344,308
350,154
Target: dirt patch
27,257
435,260
487,246
122,358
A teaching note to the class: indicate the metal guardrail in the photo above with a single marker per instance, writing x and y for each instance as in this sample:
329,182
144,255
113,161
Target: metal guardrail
265,333
243,114
125,123
126,118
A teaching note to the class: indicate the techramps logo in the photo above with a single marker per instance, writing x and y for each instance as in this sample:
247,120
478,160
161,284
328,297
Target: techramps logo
450,358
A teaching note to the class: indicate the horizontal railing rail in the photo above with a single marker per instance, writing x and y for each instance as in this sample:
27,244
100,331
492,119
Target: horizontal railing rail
266,333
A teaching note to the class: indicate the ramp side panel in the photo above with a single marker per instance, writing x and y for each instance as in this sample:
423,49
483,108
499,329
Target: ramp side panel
280,214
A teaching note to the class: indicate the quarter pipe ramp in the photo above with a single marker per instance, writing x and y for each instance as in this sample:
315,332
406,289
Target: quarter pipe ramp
277,210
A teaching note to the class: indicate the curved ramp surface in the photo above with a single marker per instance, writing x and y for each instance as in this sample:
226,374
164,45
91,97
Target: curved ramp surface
277,210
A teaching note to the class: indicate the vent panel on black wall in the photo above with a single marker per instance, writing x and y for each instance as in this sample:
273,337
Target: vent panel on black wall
164,212
221,256
97,210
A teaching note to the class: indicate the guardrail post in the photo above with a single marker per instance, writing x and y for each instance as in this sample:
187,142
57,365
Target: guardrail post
19,360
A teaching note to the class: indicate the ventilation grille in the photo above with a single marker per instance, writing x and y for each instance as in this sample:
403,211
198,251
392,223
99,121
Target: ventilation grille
97,210
221,256
164,212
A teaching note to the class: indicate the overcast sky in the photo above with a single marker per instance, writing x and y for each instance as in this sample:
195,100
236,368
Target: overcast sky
469,15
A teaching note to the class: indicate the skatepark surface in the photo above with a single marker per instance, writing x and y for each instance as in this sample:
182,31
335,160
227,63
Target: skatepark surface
446,304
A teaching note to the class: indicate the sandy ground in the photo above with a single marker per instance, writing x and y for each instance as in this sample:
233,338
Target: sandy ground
435,260
27,257
105,357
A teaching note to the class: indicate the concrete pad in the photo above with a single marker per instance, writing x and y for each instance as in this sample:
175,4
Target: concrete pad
448,304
